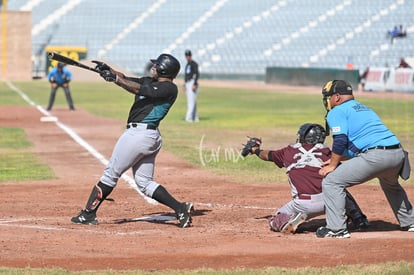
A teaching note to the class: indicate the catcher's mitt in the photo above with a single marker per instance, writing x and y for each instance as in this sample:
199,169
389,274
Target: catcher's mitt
251,142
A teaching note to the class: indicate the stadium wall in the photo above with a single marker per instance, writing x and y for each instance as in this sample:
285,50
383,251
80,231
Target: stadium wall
309,76
226,76
390,79
16,46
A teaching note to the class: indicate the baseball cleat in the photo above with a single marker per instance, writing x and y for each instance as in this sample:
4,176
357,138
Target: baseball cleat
360,223
184,216
293,223
85,217
324,232
411,228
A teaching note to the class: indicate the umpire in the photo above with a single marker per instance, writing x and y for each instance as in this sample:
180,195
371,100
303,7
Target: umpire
60,76
371,151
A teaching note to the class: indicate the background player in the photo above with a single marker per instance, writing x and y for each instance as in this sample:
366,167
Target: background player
302,161
140,143
371,151
191,75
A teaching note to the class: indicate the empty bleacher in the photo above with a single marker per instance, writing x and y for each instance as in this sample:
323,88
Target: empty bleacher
226,36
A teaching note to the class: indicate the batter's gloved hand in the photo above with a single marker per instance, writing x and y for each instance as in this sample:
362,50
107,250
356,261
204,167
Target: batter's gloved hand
101,66
109,76
251,143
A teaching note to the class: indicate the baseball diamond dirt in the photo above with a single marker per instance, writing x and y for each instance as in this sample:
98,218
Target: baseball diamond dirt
229,224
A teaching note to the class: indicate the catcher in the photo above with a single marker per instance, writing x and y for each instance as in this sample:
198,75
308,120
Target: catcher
302,161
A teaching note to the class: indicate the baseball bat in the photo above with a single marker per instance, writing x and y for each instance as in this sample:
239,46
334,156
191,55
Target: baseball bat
69,61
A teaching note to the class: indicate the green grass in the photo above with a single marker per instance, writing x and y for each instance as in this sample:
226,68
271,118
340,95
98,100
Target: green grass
400,268
13,138
227,116
16,162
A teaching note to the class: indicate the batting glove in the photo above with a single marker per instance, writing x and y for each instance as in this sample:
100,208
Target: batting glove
109,76
101,66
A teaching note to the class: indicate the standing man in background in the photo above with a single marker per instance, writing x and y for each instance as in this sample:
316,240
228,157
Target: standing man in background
59,76
191,87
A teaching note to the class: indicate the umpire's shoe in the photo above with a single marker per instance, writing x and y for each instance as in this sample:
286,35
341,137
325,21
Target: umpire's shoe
184,215
360,223
324,232
85,217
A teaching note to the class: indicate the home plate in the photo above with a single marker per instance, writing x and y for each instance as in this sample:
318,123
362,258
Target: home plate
48,119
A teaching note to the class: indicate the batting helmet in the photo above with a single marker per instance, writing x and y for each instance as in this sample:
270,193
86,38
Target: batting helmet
166,65
311,133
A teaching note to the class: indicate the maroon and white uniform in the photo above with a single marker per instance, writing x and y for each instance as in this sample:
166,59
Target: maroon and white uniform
302,163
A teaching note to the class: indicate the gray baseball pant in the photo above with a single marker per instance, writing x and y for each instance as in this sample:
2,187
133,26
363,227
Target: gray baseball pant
137,148
191,114
382,164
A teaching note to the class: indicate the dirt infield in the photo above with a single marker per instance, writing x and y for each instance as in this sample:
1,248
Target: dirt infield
229,231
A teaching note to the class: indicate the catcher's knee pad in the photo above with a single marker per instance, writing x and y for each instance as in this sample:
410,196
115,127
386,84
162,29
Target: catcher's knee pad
279,220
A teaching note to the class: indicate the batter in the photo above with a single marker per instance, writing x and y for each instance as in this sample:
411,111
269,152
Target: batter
140,143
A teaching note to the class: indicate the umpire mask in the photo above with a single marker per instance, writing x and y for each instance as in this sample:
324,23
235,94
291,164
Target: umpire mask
327,92
334,87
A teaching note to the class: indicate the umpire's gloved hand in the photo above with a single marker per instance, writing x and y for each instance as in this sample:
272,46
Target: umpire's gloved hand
101,66
109,76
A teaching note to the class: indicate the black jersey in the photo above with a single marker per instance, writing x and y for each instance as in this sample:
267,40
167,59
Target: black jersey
191,72
153,101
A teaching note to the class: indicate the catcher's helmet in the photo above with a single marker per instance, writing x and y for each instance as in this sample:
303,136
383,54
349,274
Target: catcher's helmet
166,65
311,133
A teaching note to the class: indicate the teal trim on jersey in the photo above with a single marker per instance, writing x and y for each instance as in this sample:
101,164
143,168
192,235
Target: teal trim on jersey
158,112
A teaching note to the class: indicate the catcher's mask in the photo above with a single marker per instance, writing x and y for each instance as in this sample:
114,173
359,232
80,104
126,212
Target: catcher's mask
311,133
334,87
166,65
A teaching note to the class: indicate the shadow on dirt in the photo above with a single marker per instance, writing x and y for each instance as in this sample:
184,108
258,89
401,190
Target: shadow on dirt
313,224
159,217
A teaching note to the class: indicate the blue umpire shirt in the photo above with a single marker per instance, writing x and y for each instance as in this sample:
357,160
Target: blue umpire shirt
60,77
361,125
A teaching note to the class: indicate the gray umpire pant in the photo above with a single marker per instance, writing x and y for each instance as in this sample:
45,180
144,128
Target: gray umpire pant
53,94
382,164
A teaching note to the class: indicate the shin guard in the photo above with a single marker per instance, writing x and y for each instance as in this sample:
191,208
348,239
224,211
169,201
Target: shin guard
98,194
